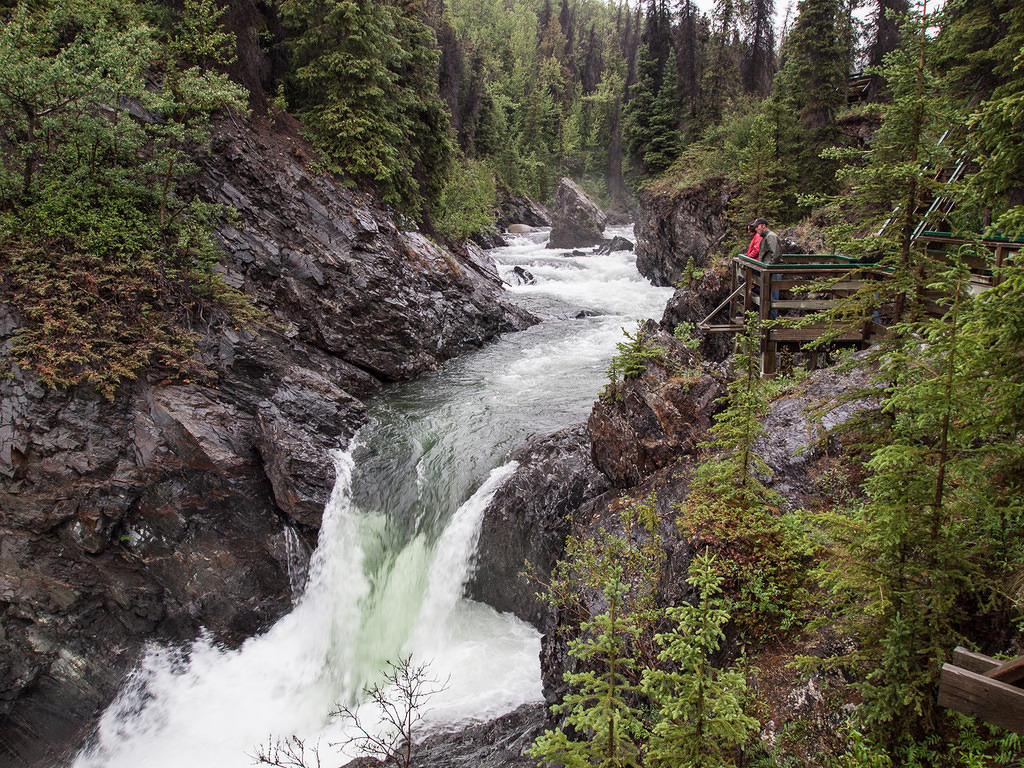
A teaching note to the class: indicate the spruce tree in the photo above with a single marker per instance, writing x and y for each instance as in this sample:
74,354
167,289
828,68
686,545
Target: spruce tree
700,717
365,84
893,182
812,84
730,506
599,709
993,139
926,552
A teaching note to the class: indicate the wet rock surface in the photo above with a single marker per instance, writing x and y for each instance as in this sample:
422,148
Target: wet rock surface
647,422
499,743
520,209
576,220
167,510
617,243
695,302
528,520
674,231
799,427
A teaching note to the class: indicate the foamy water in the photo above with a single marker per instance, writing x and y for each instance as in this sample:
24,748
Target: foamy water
396,545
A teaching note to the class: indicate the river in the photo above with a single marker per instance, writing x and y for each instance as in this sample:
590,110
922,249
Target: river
397,542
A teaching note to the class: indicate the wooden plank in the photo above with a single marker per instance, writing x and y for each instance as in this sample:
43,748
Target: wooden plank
803,303
810,334
975,662
1009,672
722,328
973,694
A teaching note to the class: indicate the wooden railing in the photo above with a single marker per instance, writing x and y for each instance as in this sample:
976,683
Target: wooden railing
768,290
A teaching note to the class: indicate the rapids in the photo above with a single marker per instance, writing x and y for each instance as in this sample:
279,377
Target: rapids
397,544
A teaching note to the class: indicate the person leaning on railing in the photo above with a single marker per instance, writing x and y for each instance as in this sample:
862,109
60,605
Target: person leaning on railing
755,241
769,248
769,253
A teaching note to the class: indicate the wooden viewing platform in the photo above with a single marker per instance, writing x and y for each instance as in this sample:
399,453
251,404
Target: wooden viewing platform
752,282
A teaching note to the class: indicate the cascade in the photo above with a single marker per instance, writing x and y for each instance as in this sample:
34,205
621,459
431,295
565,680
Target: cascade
396,544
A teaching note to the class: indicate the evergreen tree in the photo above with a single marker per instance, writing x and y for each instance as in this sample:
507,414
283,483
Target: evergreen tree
730,506
720,84
700,710
812,84
598,706
760,176
758,67
994,129
366,87
893,182
101,257
931,549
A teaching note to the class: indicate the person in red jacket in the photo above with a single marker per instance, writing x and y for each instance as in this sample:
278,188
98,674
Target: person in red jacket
755,242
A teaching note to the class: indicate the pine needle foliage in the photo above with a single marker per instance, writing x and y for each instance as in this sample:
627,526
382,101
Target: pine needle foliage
701,709
933,548
105,264
763,548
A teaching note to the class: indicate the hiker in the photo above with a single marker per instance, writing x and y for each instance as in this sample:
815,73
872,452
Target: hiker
769,247
755,242
769,253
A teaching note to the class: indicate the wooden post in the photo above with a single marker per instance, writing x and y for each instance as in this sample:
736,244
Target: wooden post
768,348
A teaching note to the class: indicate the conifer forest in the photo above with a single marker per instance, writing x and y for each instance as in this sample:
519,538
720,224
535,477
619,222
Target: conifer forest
852,126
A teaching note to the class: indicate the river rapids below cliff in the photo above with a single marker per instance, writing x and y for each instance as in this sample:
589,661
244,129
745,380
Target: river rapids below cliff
396,545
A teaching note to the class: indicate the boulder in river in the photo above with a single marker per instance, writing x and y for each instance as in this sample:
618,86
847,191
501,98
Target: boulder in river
520,209
617,243
576,220
521,276
528,519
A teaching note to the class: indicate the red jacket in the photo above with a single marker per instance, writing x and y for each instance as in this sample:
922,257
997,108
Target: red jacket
755,246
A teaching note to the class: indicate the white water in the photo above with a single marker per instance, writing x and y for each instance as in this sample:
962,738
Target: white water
396,545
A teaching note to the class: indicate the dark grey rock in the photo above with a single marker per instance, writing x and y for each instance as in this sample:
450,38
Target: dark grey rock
647,422
521,276
520,209
528,520
672,231
576,220
617,243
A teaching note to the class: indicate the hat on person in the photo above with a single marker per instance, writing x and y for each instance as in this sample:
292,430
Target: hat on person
759,222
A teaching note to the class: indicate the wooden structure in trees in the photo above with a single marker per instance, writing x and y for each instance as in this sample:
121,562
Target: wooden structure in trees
752,283
985,687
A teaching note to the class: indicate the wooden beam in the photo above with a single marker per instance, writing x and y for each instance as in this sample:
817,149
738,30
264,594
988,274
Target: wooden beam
1009,672
992,700
975,662
815,304
810,334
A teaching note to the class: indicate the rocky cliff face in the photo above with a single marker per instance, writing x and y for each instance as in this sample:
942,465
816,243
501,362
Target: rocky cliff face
647,422
528,521
674,230
184,505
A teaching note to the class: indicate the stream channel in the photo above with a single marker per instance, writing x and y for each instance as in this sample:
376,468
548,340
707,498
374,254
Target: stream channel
397,543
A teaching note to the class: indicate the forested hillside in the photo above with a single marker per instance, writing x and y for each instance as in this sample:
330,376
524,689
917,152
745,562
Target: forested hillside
854,125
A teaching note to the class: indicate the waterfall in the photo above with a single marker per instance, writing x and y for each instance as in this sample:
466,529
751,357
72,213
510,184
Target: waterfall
396,544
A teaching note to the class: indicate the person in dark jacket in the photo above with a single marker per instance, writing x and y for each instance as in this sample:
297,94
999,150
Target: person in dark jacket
769,251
